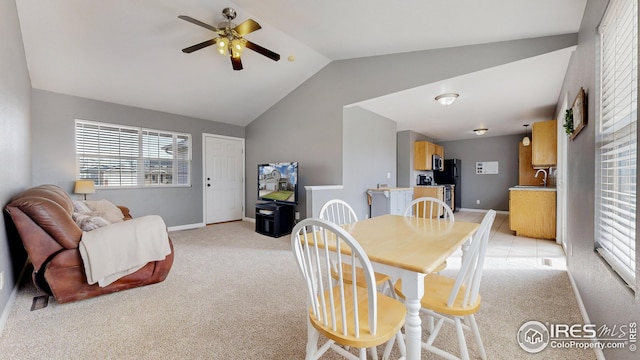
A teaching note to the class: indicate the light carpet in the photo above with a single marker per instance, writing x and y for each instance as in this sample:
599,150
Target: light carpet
235,294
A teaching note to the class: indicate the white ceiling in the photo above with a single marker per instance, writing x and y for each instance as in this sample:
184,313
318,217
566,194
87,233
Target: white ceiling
128,52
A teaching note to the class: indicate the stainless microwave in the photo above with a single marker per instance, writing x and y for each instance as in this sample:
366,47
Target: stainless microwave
437,163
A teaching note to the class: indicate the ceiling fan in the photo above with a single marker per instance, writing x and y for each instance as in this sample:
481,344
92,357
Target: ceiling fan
230,38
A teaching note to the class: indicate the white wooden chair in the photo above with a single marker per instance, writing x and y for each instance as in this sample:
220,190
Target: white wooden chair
345,313
341,213
429,207
453,299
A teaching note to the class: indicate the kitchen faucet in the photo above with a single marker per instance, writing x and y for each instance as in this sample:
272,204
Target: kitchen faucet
544,180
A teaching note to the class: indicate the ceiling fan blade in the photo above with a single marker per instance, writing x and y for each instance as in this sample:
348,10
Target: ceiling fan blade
199,46
248,26
198,22
236,62
260,50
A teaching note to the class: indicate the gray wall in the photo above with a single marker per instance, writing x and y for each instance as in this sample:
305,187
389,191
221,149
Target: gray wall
15,149
606,300
491,190
369,145
53,151
305,125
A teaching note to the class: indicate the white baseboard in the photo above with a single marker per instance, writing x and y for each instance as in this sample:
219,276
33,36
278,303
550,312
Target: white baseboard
7,309
12,299
199,225
186,227
484,210
583,311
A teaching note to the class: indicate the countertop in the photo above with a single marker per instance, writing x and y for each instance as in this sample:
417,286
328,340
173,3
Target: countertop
533,188
429,186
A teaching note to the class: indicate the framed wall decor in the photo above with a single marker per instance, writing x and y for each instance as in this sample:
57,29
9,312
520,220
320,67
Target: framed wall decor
579,108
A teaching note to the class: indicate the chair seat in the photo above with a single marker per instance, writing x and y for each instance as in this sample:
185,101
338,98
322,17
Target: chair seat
360,279
391,316
437,289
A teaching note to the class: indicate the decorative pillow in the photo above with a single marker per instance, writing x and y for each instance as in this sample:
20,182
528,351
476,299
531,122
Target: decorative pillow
88,222
81,207
106,210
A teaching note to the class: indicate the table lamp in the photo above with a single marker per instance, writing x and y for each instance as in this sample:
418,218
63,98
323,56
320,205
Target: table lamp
84,187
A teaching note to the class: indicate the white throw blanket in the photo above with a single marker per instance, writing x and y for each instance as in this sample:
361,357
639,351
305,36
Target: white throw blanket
119,249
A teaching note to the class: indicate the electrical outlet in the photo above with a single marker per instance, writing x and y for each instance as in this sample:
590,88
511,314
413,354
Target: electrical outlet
388,175
297,215
477,202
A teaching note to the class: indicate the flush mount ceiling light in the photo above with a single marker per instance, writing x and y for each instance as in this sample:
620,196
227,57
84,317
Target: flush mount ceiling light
447,99
480,132
526,141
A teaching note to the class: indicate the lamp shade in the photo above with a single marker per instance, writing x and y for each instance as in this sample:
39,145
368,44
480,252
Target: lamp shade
525,140
84,187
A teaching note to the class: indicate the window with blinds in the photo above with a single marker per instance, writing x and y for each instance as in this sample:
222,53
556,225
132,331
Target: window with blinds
123,156
616,139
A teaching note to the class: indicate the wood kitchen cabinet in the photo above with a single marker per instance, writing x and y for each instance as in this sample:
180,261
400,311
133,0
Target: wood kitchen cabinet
438,150
428,191
544,144
532,213
423,152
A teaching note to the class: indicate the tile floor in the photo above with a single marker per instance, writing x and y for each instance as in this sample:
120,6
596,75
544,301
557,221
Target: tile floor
503,244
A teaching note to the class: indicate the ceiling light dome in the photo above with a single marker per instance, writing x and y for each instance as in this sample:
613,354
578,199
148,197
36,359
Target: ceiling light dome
447,99
480,132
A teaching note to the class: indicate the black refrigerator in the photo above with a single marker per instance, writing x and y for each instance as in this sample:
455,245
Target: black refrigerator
451,175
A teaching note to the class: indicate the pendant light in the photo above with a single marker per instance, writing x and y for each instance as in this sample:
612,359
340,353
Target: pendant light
526,141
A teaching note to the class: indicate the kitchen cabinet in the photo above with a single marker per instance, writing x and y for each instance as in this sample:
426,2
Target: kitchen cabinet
423,152
389,200
438,150
544,144
532,212
435,191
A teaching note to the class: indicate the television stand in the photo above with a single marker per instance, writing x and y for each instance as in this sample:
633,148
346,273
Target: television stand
273,219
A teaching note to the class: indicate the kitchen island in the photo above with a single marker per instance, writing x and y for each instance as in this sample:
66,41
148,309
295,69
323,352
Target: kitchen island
532,211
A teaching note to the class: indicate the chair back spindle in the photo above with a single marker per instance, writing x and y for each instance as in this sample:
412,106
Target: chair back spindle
429,207
334,300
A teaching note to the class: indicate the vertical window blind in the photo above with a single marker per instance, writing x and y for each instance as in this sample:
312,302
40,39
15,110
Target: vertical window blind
616,139
123,156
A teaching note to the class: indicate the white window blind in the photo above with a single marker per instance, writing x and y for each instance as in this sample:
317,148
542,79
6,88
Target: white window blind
616,139
121,156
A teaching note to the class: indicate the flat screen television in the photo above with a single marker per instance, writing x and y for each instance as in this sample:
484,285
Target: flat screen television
278,182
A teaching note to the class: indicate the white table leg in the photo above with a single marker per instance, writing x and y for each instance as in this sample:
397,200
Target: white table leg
413,289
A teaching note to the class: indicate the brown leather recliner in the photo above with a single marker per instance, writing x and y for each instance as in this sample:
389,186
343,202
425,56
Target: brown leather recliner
43,216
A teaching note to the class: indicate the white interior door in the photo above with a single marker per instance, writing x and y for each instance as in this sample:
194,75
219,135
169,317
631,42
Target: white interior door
223,178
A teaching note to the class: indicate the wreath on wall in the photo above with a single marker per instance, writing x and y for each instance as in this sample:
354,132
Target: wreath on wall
568,121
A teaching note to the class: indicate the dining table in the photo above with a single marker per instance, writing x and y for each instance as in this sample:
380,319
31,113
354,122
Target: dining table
409,248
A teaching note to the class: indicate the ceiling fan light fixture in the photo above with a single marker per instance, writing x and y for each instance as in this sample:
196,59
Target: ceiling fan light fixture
480,132
447,99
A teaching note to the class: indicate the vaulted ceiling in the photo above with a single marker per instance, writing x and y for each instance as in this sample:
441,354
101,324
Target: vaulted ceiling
128,52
